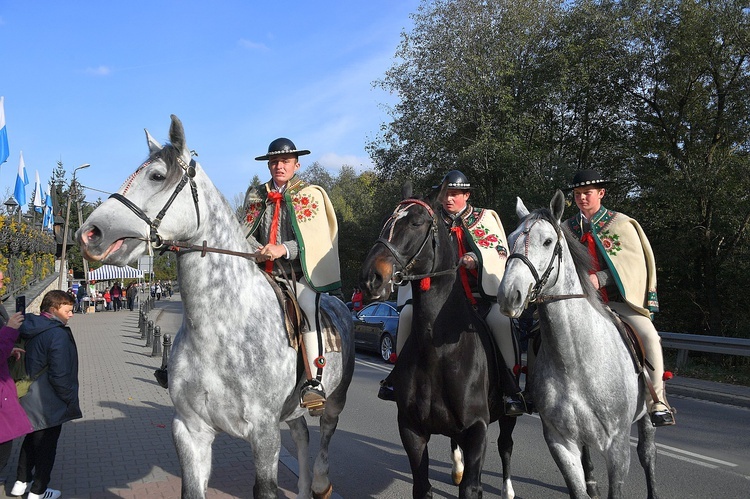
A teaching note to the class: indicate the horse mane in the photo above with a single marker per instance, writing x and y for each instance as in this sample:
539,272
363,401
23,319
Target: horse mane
169,155
580,255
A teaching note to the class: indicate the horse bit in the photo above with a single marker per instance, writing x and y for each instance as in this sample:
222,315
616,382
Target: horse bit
535,291
401,276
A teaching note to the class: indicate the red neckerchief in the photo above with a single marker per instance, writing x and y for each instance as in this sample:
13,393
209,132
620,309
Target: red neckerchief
275,197
462,271
588,239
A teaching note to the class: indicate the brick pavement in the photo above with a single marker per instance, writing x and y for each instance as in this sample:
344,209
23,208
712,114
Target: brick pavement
123,445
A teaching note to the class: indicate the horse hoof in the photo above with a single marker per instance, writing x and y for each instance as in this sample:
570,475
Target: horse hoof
457,476
326,494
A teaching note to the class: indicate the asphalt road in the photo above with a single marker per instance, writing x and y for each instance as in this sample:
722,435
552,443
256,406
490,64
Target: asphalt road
704,455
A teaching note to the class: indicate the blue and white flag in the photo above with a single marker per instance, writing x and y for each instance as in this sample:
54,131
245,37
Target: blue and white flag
21,180
49,217
38,201
4,151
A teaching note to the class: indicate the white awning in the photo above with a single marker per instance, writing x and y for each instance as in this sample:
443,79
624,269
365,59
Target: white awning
109,272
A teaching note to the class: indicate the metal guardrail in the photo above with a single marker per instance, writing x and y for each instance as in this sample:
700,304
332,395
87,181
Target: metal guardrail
684,343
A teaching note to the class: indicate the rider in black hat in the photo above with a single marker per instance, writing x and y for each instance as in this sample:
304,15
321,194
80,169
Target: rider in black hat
481,244
624,274
297,248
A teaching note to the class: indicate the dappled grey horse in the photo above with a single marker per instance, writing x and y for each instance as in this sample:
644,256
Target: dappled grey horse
583,382
232,368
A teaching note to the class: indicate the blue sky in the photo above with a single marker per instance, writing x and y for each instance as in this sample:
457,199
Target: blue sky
82,79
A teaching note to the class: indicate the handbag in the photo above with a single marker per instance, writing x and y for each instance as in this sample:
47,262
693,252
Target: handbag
23,384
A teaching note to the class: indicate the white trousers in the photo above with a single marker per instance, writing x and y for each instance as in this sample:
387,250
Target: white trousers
306,297
646,331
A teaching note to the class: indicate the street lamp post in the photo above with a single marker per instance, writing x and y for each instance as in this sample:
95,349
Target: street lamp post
71,193
10,205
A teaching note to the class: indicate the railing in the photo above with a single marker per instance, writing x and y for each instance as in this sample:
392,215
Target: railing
684,343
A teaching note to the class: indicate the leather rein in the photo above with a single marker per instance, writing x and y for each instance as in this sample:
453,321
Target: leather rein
403,275
535,291
156,241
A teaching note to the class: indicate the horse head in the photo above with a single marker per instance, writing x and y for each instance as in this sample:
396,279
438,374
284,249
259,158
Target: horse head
408,246
537,269
151,206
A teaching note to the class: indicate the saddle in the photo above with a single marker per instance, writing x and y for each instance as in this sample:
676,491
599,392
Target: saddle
294,319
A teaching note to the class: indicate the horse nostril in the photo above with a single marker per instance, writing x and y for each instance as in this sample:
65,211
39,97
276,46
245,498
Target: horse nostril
92,235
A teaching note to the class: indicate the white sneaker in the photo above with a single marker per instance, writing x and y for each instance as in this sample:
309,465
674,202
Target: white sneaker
20,488
48,494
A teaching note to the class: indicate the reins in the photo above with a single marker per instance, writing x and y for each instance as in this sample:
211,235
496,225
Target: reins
535,291
188,176
401,276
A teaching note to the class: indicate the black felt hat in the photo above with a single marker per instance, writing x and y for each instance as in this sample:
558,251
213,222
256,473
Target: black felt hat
282,146
588,178
455,180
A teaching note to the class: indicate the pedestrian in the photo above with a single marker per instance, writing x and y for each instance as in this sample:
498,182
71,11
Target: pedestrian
296,226
82,298
13,420
130,294
107,300
116,294
481,252
357,298
158,290
52,398
624,273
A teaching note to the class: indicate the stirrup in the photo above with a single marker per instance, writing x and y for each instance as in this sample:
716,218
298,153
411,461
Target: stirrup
662,417
313,397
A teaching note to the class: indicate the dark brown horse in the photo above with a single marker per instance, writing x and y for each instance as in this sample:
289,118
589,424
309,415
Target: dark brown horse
446,378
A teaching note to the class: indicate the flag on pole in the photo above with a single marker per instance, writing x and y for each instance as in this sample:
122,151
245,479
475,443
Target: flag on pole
21,180
38,201
4,151
49,216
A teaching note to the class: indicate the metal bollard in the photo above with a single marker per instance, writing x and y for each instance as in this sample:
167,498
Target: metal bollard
140,317
144,323
165,352
149,333
156,351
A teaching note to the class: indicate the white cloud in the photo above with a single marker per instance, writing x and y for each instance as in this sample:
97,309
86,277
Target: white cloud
250,45
99,71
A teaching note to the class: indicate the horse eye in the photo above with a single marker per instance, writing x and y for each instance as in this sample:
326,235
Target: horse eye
158,177
548,241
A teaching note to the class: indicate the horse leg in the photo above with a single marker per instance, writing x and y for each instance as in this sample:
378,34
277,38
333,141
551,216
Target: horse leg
647,453
266,442
194,451
474,445
415,446
457,458
321,485
588,472
567,456
505,448
618,464
301,436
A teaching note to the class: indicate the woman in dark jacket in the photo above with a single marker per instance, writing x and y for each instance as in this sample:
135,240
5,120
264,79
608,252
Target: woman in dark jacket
53,398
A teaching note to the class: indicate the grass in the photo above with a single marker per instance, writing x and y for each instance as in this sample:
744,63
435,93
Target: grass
711,367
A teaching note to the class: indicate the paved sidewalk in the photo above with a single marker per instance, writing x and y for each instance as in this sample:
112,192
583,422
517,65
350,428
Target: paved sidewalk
123,445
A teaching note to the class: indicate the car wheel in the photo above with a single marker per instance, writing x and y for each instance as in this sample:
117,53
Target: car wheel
386,347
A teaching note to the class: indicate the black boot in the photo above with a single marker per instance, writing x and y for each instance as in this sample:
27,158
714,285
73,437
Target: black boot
386,391
662,417
515,405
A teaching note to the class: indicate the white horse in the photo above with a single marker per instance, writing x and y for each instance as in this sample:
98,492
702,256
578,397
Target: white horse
583,382
231,366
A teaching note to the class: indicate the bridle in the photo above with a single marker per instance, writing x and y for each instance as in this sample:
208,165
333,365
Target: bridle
535,290
188,176
386,234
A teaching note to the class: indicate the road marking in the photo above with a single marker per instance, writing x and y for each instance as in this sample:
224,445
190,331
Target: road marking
380,366
685,455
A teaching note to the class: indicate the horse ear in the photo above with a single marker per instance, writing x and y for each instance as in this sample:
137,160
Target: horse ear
153,145
557,205
177,134
521,209
407,190
438,194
